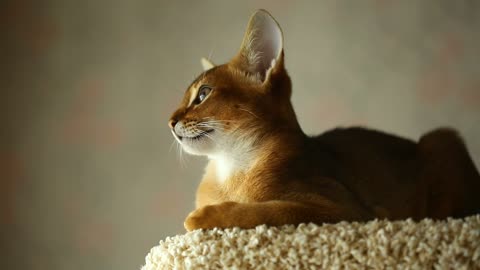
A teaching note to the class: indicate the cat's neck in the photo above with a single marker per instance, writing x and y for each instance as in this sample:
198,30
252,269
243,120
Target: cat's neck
258,154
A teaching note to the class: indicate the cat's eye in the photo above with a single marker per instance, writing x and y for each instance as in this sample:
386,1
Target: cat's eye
203,93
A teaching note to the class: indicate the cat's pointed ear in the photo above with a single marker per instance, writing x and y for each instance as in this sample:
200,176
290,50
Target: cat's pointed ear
206,64
262,46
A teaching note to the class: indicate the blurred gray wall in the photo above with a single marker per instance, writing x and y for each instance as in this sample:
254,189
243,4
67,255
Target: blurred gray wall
88,175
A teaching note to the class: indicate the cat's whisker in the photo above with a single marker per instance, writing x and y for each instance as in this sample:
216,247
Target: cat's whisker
203,132
221,121
178,148
210,137
213,119
243,109
211,125
209,58
171,145
212,122
219,129
181,157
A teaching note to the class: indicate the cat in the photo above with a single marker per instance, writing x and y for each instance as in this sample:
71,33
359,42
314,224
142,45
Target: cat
264,170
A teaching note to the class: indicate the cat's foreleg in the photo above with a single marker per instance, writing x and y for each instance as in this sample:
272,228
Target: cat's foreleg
273,213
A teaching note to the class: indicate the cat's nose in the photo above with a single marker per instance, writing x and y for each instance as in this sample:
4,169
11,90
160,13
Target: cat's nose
172,123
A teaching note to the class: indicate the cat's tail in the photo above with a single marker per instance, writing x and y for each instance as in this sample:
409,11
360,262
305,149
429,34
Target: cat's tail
450,174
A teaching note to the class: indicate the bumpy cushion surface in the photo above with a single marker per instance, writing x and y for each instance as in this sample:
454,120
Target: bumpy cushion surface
378,244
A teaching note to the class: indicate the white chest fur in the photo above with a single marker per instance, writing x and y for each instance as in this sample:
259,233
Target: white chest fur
224,168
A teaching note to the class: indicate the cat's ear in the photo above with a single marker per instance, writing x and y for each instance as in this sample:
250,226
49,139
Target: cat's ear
207,64
262,46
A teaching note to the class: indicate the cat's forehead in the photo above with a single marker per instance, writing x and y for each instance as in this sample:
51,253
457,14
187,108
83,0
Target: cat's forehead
224,75
203,78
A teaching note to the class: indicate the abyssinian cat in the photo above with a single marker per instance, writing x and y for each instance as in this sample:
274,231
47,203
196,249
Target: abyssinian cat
264,170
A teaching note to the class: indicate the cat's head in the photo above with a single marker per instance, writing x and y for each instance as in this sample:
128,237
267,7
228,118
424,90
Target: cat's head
231,106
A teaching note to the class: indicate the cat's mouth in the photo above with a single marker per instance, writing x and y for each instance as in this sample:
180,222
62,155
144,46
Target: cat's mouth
203,134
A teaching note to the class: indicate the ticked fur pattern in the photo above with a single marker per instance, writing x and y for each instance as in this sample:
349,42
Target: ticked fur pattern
263,169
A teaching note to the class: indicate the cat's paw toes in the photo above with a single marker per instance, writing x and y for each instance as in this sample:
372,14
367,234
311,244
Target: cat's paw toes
200,219
209,217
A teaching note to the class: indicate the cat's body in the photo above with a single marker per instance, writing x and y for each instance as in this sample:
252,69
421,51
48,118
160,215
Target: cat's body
264,170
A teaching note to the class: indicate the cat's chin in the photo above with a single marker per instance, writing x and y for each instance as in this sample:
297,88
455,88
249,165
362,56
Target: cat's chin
197,147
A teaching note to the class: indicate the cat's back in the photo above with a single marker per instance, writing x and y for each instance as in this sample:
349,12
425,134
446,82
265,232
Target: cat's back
377,166
364,141
351,154
384,169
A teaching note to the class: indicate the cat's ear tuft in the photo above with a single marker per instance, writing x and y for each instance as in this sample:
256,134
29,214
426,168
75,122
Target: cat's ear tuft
262,46
206,64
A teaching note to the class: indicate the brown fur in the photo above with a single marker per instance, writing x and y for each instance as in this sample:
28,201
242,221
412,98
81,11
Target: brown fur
343,174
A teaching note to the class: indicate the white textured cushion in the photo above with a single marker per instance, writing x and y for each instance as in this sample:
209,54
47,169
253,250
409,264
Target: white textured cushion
446,244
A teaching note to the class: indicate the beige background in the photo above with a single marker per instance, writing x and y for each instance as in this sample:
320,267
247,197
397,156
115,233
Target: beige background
88,177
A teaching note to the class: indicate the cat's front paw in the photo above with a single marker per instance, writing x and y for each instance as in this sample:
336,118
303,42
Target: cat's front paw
210,216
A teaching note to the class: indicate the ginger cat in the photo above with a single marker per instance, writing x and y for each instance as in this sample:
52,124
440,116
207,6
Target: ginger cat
264,170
